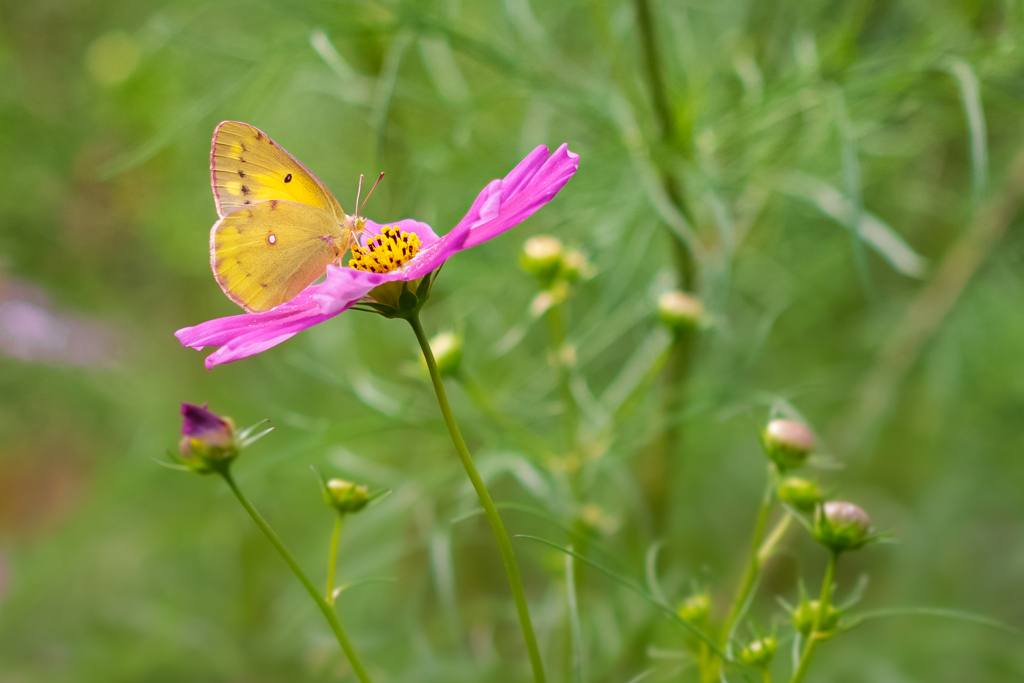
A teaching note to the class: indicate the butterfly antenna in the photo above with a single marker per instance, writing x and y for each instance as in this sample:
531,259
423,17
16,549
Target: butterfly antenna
359,192
379,178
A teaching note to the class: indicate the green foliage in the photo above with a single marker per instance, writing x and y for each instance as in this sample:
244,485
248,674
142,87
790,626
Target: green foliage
832,160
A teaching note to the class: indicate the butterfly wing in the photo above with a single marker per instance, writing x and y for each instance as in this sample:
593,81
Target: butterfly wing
247,167
265,254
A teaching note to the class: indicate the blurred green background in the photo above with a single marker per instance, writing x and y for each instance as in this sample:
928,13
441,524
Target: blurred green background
833,161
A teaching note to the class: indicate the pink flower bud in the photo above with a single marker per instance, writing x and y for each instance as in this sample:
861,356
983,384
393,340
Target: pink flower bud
841,526
788,443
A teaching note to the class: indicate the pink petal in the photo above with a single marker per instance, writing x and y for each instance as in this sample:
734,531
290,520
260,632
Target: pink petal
530,185
345,286
422,230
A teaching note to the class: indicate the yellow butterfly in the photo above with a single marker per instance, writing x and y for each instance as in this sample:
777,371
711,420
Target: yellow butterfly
280,226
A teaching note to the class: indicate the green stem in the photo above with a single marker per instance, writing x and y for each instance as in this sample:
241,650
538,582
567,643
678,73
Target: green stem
816,635
509,558
556,328
332,560
326,609
768,547
753,564
664,457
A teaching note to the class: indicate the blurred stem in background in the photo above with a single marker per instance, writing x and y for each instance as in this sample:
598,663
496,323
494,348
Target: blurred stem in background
332,560
325,608
561,356
500,535
665,450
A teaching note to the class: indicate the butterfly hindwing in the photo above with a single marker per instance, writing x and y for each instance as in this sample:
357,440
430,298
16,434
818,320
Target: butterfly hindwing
265,253
247,167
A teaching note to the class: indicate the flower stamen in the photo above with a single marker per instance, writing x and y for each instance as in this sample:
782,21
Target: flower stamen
385,252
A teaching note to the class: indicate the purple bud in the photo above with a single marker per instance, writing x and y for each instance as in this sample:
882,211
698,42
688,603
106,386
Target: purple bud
207,440
199,423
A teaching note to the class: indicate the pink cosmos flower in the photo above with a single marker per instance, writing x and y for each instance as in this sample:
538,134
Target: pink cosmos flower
502,205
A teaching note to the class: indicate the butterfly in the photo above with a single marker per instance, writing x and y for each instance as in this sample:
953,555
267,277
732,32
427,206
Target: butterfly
279,227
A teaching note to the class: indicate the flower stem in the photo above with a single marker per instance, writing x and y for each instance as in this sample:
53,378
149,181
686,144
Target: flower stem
768,547
332,560
665,456
753,565
556,328
326,609
816,635
500,535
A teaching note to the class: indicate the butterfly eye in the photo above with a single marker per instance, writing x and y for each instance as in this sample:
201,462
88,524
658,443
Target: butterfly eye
272,239
288,178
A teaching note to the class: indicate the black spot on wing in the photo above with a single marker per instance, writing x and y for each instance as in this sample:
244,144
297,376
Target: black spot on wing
288,178
241,173
245,189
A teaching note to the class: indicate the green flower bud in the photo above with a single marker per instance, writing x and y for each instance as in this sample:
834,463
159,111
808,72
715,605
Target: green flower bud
695,609
542,258
447,350
759,653
575,266
787,443
805,613
803,494
208,441
841,526
679,310
346,497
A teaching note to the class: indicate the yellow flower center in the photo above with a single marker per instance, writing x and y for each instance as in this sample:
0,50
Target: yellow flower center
383,253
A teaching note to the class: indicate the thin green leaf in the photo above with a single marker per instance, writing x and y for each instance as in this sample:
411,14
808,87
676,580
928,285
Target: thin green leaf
171,465
651,570
639,590
256,437
574,619
938,612
970,97
355,584
641,676
244,434
639,370
876,233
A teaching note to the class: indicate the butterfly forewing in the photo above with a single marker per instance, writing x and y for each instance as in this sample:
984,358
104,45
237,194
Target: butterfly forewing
247,167
265,254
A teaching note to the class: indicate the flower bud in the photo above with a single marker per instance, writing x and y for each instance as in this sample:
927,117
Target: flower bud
787,443
695,609
542,258
841,526
346,497
576,266
447,350
759,653
803,494
208,441
679,310
806,612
